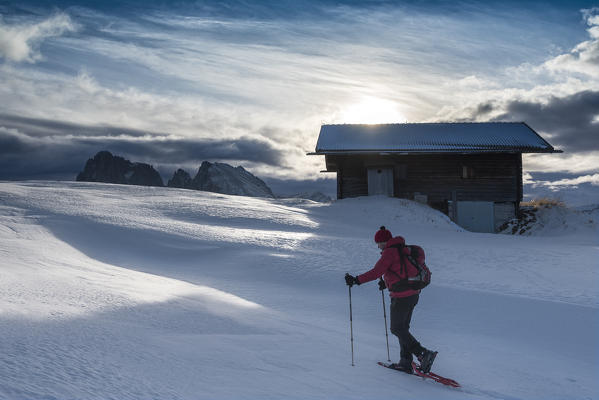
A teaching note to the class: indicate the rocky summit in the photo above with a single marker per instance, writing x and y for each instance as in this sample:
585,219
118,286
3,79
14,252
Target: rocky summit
105,167
222,178
181,179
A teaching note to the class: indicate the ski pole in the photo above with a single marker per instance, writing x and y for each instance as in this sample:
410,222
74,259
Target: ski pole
385,316
351,328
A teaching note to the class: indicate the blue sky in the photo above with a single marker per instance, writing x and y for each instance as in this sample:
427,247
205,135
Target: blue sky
250,83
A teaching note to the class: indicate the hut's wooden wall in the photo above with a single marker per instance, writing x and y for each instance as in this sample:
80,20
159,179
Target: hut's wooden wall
493,177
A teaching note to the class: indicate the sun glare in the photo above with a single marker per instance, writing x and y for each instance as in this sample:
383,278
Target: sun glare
372,110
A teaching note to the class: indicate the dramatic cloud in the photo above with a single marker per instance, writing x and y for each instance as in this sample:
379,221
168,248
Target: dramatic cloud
569,122
484,97
32,148
558,97
584,58
40,127
20,42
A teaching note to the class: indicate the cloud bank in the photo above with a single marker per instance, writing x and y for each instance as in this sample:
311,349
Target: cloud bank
20,42
558,97
56,148
584,58
569,122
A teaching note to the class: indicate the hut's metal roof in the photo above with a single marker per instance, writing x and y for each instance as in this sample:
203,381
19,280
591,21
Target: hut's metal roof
458,137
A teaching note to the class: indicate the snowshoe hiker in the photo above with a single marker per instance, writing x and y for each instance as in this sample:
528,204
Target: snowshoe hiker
394,267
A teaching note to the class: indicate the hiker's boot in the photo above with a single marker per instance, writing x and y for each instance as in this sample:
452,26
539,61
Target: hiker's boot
426,358
403,366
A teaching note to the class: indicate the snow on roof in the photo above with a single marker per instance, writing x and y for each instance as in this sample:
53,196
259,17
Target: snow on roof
432,137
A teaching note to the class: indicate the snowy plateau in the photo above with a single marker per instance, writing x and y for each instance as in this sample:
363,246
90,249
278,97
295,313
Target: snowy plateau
129,292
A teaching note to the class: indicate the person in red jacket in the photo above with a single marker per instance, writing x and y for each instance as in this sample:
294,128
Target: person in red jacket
394,267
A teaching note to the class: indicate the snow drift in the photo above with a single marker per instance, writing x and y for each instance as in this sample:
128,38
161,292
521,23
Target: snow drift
129,292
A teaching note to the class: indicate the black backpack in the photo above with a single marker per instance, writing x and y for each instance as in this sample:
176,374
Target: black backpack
416,257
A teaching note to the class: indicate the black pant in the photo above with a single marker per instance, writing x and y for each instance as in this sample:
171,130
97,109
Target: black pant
401,316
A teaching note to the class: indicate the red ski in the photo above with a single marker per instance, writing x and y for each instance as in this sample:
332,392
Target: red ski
429,375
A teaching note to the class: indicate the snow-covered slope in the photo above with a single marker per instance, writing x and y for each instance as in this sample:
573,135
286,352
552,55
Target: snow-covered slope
114,291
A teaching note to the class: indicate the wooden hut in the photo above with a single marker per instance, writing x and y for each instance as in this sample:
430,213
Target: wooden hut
471,171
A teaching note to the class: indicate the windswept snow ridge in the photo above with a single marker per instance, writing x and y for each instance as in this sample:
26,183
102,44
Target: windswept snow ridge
115,291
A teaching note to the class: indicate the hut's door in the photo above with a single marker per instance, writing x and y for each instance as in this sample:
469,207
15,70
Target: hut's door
476,216
380,181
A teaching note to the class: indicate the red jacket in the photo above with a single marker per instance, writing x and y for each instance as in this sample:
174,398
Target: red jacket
389,267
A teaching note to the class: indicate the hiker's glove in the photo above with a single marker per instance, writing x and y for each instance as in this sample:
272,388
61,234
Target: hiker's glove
351,280
382,285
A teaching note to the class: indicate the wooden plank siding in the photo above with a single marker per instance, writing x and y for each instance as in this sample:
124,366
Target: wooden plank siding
493,177
352,180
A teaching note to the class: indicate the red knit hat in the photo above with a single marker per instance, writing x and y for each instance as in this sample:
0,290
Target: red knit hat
382,235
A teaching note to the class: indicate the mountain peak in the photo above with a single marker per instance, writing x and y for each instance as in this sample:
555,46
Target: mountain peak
105,167
222,178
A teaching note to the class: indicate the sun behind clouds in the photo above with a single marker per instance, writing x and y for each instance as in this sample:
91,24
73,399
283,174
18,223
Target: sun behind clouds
371,110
